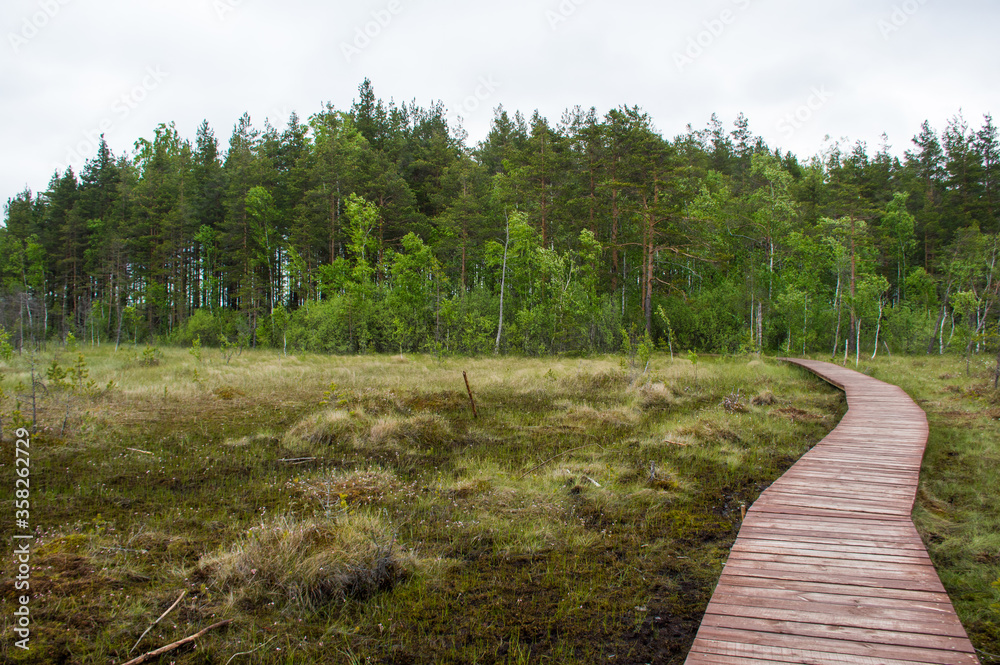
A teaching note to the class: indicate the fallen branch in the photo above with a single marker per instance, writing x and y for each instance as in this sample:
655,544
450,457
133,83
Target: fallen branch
136,450
589,445
593,481
299,460
169,610
176,645
674,443
466,377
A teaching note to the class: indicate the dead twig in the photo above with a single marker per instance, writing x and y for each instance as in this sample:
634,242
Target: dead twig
136,450
299,460
589,445
471,399
176,645
169,610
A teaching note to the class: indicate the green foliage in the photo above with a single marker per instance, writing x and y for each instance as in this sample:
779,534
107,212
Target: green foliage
56,373
636,350
378,229
229,348
195,349
79,375
151,357
6,348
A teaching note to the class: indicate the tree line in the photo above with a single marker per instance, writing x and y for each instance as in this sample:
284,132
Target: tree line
378,228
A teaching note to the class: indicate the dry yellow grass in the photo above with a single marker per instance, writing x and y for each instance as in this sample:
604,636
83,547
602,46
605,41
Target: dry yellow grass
309,562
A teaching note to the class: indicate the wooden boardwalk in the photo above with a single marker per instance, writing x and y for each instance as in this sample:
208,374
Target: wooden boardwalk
828,567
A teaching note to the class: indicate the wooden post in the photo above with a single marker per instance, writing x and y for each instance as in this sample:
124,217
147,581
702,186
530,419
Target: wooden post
471,399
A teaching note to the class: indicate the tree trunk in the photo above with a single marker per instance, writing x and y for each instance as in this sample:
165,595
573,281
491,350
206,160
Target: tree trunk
805,323
854,278
938,325
857,346
503,282
333,227
760,325
837,299
614,229
878,327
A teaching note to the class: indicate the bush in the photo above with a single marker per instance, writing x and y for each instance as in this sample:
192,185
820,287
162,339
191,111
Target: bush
209,326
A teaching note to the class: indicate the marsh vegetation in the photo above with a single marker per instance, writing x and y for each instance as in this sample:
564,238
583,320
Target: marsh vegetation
353,509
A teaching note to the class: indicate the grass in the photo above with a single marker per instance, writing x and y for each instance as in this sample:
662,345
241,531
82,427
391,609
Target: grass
354,510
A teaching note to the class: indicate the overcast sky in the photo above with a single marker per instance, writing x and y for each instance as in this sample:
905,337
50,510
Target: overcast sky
800,71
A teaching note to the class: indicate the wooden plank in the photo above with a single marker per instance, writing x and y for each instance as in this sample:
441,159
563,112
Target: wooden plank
910,568
807,538
776,507
817,483
845,522
837,575
750,545
838,528
860,593
860,635
724,652
764,594
837,616
842,491
887,507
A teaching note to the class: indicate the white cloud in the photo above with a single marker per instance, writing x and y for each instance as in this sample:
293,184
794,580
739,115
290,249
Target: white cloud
269,59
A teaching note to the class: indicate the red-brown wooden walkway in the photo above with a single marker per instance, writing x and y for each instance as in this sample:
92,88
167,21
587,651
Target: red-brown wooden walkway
828,567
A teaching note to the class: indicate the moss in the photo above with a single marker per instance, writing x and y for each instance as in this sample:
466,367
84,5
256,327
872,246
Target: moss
535,531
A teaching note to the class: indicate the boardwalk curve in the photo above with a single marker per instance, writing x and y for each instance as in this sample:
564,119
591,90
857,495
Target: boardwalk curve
828,567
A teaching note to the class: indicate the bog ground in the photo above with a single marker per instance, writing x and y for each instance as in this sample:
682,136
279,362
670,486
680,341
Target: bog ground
355,510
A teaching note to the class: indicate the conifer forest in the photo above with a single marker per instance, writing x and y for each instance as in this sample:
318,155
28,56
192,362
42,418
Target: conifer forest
380,229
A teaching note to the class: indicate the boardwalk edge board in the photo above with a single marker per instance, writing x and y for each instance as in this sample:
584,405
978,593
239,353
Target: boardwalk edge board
828,567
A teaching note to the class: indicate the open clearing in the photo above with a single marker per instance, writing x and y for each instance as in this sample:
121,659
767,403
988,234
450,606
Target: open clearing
354,509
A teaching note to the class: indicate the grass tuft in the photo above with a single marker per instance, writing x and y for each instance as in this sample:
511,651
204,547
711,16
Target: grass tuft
309,563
